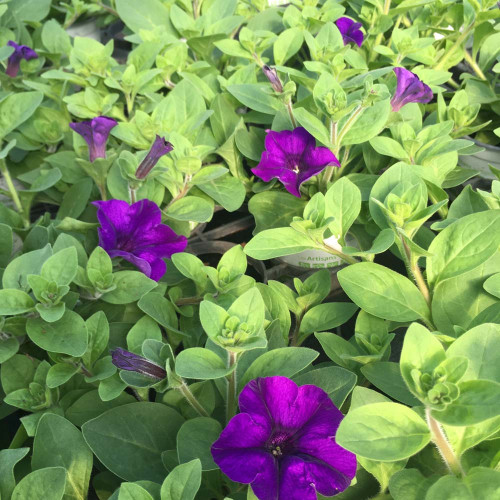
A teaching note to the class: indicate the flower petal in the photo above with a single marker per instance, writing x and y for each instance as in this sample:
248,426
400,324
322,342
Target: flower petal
142,264
343,24
290,142
357,37
278,402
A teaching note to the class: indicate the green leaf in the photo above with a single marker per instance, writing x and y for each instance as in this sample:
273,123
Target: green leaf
67,335
200,363
255,96
386,376
389,147
479,400
480,346
152,14
60,443
16,109
195,439
463,246
324,317
6,242
160,309
335,381
383,431
313,125
14,301
60,373
8,460
16,273
285,361
61,267
133,491
343,202
98,337
287,44
46,483
409,484
130,287
277,243
191,208
130,439
383,292
226,190
492,285
183,482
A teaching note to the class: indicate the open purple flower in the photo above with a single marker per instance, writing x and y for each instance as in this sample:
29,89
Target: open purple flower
20,52
350,31
292,157
135,233
159,148
409,89
96,133
126,360
283,442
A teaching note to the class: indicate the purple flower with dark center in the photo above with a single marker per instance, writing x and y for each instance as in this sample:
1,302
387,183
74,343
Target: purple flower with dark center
292,157
350,31
273,78
96,133
159,148
126,360
283,442
409,89
20,52
135,233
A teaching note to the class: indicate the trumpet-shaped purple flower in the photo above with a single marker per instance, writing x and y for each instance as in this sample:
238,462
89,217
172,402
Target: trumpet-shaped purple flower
283,442
20,52
409,89
350,31
135,233
159,148
292,157
96,133
126,360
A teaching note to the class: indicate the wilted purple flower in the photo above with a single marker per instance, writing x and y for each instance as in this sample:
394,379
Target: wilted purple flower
409,89
283,442
96,133
159,148
20,52
126,360
292,157
350,31
273,78
136,234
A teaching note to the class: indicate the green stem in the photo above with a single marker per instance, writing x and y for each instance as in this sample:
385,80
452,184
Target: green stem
294,341
342,255
448,53
378,39
191,399
348,124
13,192
329,170
415,271
473,64
290,113
443,445
231,387
19,438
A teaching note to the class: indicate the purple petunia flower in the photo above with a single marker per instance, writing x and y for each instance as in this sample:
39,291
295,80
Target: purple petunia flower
283,442
409,89
20,52
159,148
136,234
292,157
96,133
350,31
126,360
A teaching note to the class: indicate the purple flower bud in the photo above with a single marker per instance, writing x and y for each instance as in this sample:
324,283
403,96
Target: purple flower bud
159,148
273,78
96,133
292,157
20,52
135,233
129,361
409,89
350,31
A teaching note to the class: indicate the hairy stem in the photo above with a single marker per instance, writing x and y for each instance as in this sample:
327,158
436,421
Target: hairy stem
473,64
451,51
231,387
191,399
443,445
290,113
